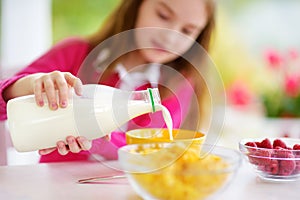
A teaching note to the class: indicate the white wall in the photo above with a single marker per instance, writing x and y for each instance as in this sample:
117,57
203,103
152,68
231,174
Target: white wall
26,32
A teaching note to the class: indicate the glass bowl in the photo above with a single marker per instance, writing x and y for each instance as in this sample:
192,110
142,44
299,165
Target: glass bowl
273,159
178,171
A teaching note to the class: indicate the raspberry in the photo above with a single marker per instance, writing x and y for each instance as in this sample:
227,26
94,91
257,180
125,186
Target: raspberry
253,159
297,169
279,143
286,167
251,144
296,147
257,144
297,155
287,164
261,168
260,157
266,143
264,157
286,135
273,167
251,147
280,152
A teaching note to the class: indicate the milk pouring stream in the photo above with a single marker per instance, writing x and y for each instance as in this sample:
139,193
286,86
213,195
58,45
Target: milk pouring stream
99,111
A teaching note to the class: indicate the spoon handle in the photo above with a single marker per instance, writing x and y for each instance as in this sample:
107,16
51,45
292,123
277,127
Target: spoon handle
101,178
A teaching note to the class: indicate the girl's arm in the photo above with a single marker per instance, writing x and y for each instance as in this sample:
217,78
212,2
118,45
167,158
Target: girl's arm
21,87
66,56
47,83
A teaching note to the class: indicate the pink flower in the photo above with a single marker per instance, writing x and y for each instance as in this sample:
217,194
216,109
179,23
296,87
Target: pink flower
293,54
292,85
274,59
239,94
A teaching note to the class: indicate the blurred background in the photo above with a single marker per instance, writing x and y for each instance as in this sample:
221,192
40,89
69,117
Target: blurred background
256,50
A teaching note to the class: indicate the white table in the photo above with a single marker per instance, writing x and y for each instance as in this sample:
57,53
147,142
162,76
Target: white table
246,186
59,181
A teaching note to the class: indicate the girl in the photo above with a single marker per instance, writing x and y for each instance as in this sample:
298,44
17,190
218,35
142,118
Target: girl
59,68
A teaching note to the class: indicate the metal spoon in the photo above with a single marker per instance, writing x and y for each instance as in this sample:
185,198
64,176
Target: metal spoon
100,178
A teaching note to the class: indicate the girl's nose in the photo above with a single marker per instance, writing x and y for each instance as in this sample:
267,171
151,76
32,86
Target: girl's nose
170,36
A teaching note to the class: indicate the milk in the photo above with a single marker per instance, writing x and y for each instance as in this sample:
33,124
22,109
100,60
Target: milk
98,112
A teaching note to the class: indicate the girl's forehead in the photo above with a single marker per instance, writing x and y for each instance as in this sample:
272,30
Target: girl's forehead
190,11
184,5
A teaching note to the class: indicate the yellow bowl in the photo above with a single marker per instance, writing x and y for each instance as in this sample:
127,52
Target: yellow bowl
151,135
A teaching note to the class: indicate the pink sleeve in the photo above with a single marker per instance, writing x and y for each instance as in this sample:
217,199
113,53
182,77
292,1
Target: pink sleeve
3,85
108,149
104,148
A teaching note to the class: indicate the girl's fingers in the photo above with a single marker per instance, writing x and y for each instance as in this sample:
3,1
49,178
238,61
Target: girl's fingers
56,80
61,85
38,88
78,87
49,88
74,82
62,148
46,151
107,137
63,91
73,145
84,144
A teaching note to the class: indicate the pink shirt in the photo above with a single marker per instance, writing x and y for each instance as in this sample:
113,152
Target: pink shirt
67,56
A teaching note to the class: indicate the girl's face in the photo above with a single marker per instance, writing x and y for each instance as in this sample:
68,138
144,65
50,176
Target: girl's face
186,17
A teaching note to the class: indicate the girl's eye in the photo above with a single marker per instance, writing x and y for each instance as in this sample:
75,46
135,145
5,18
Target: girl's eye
187,31
163,15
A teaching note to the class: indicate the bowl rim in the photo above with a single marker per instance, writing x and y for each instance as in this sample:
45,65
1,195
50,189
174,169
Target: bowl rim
129,133
245,149
243,141
234,162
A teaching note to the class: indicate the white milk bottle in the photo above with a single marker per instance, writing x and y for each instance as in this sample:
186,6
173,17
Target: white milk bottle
99,111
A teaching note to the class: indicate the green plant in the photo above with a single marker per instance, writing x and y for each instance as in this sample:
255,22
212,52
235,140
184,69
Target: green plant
78,17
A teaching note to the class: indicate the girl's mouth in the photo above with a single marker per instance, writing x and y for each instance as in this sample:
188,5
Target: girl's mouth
157,46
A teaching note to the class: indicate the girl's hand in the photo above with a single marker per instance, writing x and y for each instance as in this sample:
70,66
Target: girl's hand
56,80
72,144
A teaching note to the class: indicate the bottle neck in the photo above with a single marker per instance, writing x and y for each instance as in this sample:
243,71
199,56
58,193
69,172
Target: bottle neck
151,96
